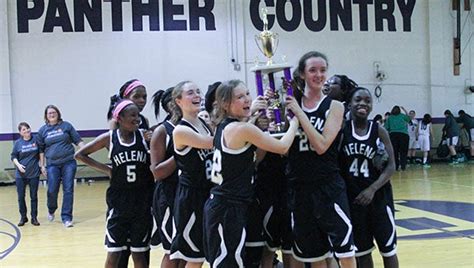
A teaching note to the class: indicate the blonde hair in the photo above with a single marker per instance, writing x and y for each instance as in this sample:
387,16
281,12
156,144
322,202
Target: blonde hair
177,93
224,94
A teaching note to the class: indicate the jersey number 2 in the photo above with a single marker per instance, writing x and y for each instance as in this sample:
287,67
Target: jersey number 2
131,175
216,176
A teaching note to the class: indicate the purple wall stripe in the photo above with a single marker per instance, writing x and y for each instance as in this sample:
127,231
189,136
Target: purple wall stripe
92,133
84,134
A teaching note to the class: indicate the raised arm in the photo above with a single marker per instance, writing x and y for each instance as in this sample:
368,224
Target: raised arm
160,167
404,110
97,144
239,134
184,136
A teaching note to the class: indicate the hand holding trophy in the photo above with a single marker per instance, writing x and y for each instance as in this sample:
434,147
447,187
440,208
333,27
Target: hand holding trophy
267,42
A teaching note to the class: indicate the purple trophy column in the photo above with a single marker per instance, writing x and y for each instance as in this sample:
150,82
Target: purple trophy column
276,110
258,79
271,80
288,79
289,91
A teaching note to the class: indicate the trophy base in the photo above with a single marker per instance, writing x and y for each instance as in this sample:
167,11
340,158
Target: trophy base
273,68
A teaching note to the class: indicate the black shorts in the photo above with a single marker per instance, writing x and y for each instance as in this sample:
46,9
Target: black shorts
276,217
253,226
318,213
377,220
163,204
225,233
187,216
129,219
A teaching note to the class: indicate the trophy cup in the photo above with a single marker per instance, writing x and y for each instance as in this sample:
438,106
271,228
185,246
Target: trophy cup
267,42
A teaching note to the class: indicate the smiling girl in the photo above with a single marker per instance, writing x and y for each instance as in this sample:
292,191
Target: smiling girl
233,171
318,197
369,190
131,185
192,140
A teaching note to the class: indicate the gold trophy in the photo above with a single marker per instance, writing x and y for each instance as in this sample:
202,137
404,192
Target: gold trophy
267,41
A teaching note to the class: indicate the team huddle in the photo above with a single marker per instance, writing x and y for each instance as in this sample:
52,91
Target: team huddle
224,191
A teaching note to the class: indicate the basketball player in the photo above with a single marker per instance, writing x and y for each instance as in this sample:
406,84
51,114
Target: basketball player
413,134
163,167
233,171
135,91
320,209
192,140
425,135
131,185
369,191
338,87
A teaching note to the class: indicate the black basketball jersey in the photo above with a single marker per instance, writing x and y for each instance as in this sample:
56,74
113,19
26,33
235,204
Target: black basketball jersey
194,164
304,164
169,127
233,170
356,159
130,162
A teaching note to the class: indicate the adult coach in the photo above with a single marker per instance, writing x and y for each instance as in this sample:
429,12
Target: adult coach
55,140
25,156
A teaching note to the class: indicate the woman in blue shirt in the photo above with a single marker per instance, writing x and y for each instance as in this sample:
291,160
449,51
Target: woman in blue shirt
55,139
25,156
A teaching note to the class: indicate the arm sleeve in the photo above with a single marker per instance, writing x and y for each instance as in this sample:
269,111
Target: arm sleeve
76,138
406,118
40,140
15,152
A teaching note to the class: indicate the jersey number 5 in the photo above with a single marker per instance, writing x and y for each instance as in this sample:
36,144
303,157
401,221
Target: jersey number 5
216,176
364,168
131,175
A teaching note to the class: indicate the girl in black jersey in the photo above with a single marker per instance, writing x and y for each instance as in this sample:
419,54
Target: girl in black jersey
164,170
233,171
192,140
319,207
135,91
131,185
369,190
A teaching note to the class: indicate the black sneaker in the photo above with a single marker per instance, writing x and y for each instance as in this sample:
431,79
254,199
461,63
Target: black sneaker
35,222
23,221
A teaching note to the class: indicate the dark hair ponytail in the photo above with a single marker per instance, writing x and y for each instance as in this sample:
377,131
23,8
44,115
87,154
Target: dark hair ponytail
113,102
298,86
162,97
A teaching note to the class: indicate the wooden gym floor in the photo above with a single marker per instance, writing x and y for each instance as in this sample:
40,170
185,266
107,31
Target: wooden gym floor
434,214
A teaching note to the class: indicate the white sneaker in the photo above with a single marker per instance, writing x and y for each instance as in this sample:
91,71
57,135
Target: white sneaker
68,224
50,217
